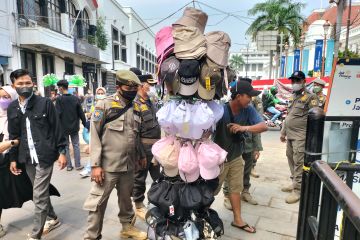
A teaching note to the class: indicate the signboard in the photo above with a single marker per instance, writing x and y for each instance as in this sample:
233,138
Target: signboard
84,48
296,60
344,98
318,55
267,40
329,56
305,61
289,66
89,67
282,66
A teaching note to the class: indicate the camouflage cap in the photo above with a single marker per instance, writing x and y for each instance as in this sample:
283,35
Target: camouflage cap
127,77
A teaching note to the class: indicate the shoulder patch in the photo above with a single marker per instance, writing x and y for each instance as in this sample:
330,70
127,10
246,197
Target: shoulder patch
97,115
115,104
136,107
144,107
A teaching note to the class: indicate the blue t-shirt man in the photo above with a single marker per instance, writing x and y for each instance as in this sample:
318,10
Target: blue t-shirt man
234,144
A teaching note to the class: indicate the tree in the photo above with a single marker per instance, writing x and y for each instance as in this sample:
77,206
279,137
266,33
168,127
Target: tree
349,53
281,15
236,61
101,36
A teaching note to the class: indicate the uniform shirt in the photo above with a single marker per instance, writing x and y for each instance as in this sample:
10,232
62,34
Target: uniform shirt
253,140
146,110
223,137
115,146
31,145
298,110
322,100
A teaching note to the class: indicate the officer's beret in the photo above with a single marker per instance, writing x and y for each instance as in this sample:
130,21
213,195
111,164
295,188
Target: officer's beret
127,77
320,81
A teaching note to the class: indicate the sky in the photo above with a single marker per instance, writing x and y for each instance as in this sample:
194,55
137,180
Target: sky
152,11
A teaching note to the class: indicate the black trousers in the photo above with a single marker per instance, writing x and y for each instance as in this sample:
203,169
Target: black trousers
141,175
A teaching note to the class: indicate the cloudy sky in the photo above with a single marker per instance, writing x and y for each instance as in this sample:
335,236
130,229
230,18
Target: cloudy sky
153,11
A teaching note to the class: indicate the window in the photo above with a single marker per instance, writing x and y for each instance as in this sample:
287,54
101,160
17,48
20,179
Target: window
247,67
28,62
123,48
123,54
48,64
123,39
116,52
69,66
72,13
253,67
137,49
54,15
115,34
260,66
138,62
85,24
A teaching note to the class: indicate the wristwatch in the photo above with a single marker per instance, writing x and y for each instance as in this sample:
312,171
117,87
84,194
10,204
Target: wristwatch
12,142
62,151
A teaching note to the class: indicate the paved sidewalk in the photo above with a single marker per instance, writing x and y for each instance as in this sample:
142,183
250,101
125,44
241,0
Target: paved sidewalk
273,218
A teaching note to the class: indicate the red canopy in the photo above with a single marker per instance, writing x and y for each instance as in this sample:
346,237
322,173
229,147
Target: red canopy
261,84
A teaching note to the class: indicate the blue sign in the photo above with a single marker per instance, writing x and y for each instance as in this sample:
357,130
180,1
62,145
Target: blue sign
289,66
282,66
329,56
318,55
296,60
305,61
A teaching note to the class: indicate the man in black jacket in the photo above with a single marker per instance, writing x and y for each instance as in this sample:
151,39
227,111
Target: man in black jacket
33,120
70,112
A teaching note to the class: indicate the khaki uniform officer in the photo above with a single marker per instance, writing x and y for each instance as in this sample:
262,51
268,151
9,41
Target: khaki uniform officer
294,132
318,88
115,149
150,132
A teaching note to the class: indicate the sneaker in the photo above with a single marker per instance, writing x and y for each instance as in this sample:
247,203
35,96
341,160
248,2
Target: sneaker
227,203
141,212
79,168
69,169
294,197
246,196
130,231
51,225
85,173
30,238
287,188
2,231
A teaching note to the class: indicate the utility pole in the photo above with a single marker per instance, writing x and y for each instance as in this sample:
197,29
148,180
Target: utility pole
347,29
340,11
280,57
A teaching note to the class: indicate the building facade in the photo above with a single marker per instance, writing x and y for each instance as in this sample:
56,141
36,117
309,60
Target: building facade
58,36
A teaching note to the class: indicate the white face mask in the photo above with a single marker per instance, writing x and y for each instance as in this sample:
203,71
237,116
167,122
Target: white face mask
297,86
100,97
152,92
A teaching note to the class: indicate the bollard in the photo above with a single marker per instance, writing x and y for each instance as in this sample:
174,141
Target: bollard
314,135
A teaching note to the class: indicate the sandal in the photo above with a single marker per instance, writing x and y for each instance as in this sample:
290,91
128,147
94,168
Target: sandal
245,228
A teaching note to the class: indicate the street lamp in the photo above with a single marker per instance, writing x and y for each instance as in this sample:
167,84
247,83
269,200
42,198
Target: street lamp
326,27
286,47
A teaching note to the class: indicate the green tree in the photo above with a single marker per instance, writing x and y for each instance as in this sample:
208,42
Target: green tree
102,38
236,61
281,15
350,54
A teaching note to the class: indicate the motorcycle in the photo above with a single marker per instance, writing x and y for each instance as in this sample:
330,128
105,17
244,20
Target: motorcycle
278,122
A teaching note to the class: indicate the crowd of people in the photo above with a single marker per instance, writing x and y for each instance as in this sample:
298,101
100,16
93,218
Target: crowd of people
35,132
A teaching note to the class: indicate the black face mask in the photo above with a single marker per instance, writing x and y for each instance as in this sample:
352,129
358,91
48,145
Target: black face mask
128,95
24,91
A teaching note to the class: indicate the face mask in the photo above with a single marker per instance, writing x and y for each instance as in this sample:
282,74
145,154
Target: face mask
317,89
24,91
128,95
4,103
297,87
152,92
100,97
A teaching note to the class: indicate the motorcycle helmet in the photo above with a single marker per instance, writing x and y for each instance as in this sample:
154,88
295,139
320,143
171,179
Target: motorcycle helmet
274,90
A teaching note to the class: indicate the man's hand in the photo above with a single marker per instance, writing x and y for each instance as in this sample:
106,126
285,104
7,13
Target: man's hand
97,175
283,138
5,146
62,161
256,155
14,170
235,128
